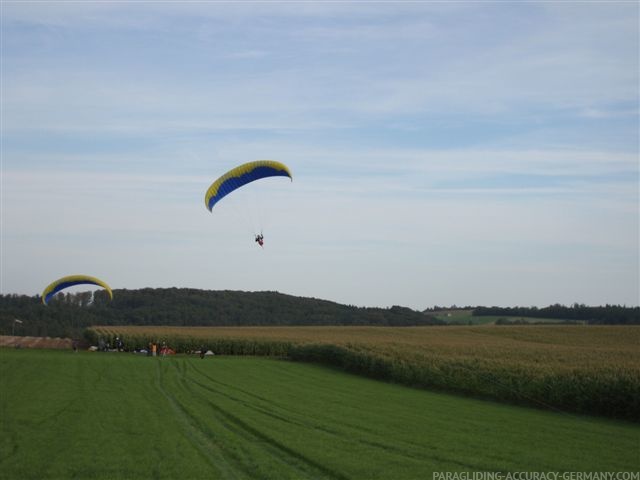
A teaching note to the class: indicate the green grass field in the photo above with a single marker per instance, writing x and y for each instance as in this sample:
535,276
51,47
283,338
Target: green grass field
117,415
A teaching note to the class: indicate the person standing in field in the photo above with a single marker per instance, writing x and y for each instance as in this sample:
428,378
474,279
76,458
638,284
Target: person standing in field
202,351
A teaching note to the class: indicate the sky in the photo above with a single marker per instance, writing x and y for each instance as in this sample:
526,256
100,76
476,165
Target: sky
443,153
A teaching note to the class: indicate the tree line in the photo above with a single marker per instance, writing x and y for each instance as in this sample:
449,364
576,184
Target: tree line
69,313
602,315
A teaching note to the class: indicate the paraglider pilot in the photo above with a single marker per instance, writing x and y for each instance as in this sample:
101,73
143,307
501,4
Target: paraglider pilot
260,239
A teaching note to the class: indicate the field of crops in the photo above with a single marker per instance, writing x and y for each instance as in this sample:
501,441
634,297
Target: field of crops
587,369
120,415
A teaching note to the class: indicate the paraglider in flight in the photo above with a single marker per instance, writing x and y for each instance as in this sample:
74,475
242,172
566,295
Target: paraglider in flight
241,175
70,281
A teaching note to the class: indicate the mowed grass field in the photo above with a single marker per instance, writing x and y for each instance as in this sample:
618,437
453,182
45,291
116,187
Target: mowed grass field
67,415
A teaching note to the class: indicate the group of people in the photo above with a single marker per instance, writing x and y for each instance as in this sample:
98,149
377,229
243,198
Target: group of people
103,346
153,350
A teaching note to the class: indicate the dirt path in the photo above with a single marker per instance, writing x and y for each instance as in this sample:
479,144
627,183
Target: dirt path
35,342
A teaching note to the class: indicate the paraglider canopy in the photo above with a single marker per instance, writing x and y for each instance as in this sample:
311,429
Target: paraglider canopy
240,176
70,281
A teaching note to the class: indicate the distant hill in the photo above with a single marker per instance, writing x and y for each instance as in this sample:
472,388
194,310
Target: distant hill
67,314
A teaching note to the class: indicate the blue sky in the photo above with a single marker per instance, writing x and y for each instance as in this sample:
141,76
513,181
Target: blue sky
469,153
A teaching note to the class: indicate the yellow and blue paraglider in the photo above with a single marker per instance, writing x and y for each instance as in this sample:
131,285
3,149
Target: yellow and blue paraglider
241,175
70,281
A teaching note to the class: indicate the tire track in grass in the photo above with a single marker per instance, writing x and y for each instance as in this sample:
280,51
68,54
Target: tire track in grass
196,436
335,433
274,406
408,450
291,458
225,450
242,463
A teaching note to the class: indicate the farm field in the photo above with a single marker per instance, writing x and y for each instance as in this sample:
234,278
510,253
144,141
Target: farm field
588,369
466,317
119,415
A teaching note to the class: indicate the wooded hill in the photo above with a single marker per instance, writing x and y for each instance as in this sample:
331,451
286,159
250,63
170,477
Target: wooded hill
69,313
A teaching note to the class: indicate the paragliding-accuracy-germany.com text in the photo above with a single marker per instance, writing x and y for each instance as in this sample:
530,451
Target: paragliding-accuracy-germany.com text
536,475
